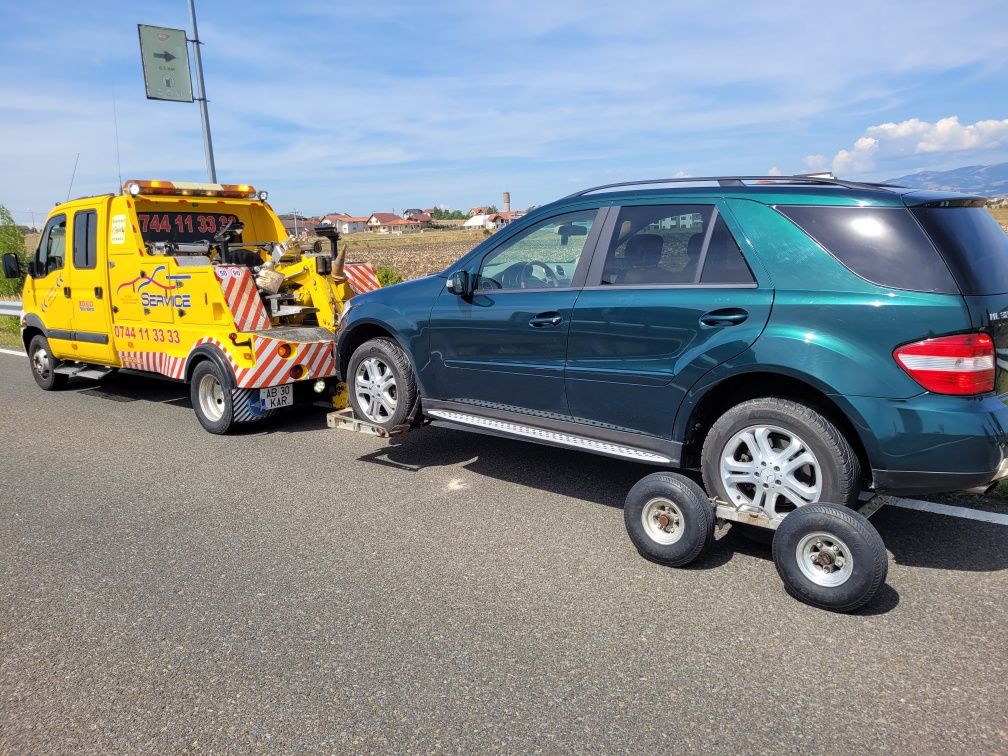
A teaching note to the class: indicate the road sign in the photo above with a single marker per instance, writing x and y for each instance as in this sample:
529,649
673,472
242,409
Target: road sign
165,57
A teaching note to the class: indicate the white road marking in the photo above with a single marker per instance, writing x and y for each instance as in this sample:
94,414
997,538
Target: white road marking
15,352
950,511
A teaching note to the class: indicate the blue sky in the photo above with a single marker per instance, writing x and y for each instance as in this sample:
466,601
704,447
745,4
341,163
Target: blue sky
384,105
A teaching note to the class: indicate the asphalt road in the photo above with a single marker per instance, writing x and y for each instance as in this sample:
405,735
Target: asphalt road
294,588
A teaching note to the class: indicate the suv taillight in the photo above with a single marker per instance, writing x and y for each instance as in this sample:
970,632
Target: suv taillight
959,365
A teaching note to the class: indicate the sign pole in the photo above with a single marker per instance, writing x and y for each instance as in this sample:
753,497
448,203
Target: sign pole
204,115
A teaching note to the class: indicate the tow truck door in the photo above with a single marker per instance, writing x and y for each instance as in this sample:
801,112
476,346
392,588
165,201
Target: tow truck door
50,286
88,279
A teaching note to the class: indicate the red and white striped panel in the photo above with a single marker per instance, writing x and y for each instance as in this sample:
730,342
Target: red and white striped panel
242,297
154,362
361,277
318,357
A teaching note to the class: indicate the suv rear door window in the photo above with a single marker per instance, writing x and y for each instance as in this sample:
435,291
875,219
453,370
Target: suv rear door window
973,244
673,245
883,245
723,261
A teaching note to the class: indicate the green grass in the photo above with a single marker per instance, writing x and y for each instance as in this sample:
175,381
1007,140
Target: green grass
10,332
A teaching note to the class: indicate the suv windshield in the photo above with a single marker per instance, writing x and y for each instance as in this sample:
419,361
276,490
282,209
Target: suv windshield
973,244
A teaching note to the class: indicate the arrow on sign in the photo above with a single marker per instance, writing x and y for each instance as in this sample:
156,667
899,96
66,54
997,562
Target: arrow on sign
165,56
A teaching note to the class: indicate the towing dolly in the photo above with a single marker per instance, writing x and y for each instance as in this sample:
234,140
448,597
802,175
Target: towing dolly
827,556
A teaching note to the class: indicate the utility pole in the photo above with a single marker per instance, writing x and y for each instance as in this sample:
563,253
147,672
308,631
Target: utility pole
204,115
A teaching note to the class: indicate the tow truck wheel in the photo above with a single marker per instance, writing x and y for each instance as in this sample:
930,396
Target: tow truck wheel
830,557
211,398
669,519
43,365
381,383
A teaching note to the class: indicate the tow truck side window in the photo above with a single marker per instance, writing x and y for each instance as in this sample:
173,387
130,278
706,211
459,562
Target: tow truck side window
52,247
85,239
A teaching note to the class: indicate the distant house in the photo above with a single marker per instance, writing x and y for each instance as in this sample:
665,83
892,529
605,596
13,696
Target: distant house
296,224
390,223
347,224
420,216
481,210
489,221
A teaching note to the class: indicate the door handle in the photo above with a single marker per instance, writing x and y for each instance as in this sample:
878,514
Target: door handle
66,292
544,319
727,317
98,292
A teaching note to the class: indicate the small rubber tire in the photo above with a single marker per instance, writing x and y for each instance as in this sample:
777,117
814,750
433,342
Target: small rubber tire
695,527
207,370
48,380
840,468
862,541
388,352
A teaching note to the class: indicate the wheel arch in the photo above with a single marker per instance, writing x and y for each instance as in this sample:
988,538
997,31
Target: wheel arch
717,397
209,352
33,327
357,335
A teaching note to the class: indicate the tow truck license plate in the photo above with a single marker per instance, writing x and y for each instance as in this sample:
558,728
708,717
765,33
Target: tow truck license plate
277,396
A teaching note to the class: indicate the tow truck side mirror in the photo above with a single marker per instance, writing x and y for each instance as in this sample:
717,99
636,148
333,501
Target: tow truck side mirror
11,266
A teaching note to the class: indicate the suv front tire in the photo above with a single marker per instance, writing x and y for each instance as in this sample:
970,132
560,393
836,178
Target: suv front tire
381,384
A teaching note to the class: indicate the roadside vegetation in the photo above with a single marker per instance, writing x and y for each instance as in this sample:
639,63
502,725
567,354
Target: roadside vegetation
12,239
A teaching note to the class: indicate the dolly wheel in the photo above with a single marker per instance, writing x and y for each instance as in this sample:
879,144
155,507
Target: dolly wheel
830,557
669,519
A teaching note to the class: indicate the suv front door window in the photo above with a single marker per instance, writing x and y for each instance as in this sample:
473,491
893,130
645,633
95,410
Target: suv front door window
542,257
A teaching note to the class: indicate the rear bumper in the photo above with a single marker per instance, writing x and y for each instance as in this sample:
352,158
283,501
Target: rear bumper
908,483
932,443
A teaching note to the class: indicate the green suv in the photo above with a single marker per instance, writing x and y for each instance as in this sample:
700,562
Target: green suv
796,339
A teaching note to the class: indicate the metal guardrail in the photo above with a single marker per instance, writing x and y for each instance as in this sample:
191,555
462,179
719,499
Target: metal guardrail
10,307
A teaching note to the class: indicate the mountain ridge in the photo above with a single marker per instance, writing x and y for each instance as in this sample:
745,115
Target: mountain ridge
983,180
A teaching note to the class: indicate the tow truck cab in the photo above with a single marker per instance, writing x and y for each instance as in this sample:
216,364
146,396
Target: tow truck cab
194,282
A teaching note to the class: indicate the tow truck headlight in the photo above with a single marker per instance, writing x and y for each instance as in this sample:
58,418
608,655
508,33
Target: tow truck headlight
134,189
318,387
263,195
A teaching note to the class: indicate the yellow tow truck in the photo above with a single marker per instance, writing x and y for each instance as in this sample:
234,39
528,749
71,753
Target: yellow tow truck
194,282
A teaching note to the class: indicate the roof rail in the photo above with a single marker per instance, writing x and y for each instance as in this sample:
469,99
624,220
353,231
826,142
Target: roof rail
825,179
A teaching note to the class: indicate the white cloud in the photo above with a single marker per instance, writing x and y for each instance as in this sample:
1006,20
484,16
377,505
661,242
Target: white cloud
775,171
815,162
860,158
915,137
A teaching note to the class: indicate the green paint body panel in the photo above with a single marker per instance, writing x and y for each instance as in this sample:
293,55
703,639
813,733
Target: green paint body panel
638,360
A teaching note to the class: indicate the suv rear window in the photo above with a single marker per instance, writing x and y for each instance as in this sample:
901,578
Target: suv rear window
973,244
884,245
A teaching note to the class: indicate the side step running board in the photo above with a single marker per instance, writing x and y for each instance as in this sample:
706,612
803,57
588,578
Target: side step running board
548,436
83,371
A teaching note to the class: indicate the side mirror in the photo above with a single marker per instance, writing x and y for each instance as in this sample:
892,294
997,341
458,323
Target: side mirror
460,283
11,266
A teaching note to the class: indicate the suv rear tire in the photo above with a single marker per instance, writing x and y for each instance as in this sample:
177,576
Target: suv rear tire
381,384
781,433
